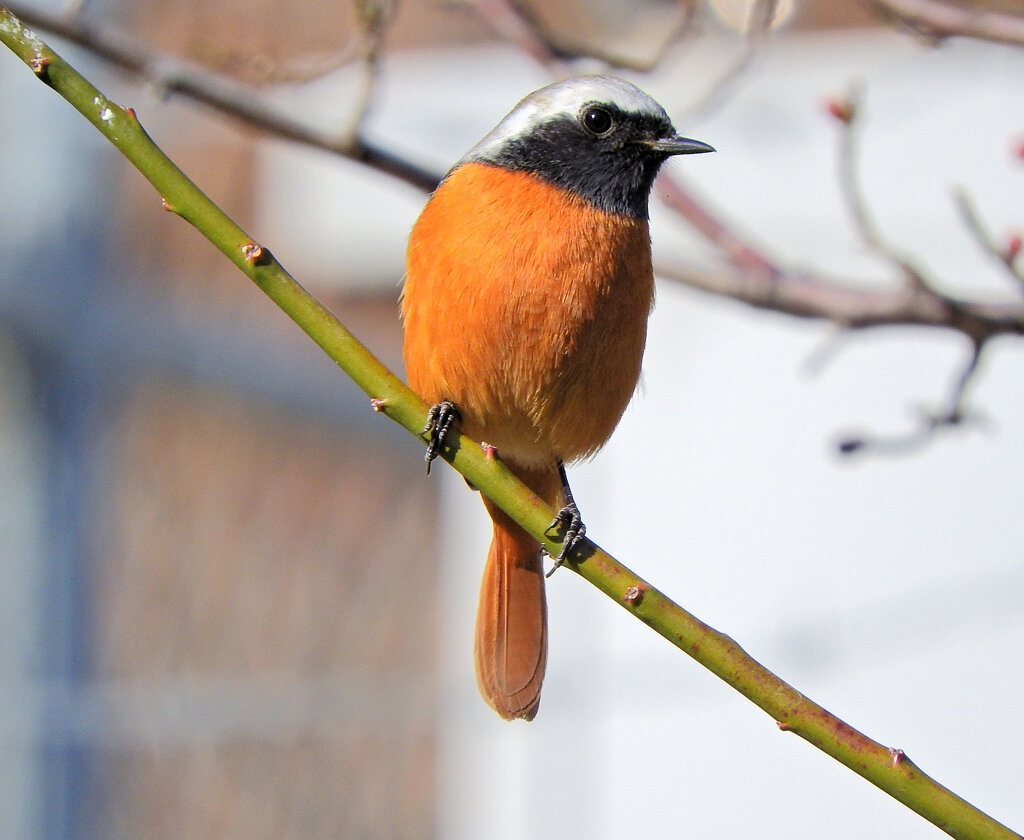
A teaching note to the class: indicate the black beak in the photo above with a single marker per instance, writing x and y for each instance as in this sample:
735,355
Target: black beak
677,145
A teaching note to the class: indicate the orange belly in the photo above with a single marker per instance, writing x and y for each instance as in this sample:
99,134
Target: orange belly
527,308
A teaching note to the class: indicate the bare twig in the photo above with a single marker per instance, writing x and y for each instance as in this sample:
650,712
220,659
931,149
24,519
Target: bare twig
806,296
955,415
757,279
510,24
515,25
848,114
232,99
759,24
937,20
1005,254
743,255
375,17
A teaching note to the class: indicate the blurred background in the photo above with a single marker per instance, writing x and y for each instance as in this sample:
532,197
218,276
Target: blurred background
233,606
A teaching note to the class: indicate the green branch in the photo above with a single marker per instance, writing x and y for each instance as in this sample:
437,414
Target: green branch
889,769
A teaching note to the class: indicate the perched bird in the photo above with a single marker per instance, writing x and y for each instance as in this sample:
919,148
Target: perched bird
527,291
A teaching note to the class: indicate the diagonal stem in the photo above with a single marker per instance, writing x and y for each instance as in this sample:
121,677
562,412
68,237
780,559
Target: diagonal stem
889,769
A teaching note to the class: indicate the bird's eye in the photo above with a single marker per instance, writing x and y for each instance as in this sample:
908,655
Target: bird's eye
597,120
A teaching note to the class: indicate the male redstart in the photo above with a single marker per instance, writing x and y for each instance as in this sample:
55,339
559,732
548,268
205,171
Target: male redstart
527,292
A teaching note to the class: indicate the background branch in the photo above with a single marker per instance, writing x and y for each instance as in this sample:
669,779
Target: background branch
889,769
1006,253
514,23
756,279
760,18
952,416
511,25
232,99
937,20
806,296
847,113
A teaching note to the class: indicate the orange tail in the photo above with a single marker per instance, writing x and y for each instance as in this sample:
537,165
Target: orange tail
511,622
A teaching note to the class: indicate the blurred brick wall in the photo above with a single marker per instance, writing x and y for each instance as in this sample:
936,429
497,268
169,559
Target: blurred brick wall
264,618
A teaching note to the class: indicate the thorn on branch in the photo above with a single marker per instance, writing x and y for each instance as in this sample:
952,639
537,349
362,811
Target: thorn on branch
40,65
255,254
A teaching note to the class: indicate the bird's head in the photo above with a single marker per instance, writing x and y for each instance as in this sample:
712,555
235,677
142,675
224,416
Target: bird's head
598,137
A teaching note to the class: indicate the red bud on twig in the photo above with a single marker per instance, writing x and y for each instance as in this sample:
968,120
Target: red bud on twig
841,109
1013,246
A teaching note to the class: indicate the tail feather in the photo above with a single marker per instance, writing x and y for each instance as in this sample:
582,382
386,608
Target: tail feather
511,622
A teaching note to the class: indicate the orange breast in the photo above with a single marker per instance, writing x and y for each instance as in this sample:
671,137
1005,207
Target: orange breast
527,308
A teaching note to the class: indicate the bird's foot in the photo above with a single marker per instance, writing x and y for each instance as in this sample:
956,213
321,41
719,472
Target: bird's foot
569,522
439,422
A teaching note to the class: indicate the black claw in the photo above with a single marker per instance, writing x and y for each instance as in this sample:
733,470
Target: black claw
439,421
567,521
571,526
